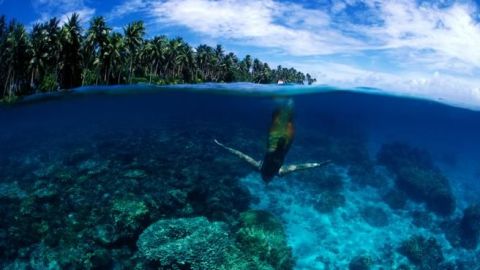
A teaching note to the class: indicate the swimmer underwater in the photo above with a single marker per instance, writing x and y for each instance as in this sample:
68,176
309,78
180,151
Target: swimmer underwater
280,138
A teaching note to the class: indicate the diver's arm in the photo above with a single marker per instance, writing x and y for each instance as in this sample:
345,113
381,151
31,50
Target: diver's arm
286,169
241,155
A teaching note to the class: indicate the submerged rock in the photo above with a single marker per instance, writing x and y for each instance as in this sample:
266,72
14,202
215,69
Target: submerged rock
425,253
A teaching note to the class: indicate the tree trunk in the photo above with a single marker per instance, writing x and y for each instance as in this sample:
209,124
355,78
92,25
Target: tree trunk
130,72
7,82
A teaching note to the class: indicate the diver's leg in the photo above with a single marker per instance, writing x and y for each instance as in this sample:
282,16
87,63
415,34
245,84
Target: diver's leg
286,169
241,155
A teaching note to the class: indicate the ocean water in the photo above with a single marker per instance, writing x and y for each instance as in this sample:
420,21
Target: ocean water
130,178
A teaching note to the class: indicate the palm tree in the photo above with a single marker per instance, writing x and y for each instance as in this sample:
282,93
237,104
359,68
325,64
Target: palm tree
52,56
71,56
95,46
16,59
203,56
188,66
219,62
134,33
257,70
172,61
53,47
160,52
245,67
115,54
147,59
231,68
152,55
38,52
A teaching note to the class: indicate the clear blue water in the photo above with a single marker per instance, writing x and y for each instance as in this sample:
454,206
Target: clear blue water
67,159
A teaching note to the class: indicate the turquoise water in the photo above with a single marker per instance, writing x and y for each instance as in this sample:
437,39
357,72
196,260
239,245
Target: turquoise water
91,178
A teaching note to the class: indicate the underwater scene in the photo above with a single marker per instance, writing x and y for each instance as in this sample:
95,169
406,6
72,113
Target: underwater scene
238,176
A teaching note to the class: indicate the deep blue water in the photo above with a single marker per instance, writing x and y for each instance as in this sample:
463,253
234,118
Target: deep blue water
167,136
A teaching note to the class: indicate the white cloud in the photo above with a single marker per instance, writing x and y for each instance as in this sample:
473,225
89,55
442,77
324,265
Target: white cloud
450,34
84,15
62,9
296,30
128,7
453,90
418,40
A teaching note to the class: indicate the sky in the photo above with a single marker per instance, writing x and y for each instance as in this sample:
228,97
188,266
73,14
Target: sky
422,48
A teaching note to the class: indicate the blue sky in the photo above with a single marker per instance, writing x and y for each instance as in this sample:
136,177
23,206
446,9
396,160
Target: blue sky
419,47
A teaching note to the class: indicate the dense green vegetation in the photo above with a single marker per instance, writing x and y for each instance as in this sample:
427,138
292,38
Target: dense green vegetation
54,56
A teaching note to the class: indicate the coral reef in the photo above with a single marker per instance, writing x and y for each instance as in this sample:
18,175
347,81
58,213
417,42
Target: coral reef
193,243
418,177
196,243
261,235
83,205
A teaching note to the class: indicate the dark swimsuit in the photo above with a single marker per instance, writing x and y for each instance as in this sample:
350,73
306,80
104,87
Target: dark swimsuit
280,137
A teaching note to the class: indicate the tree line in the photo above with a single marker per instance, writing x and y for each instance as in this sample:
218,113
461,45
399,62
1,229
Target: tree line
52,56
